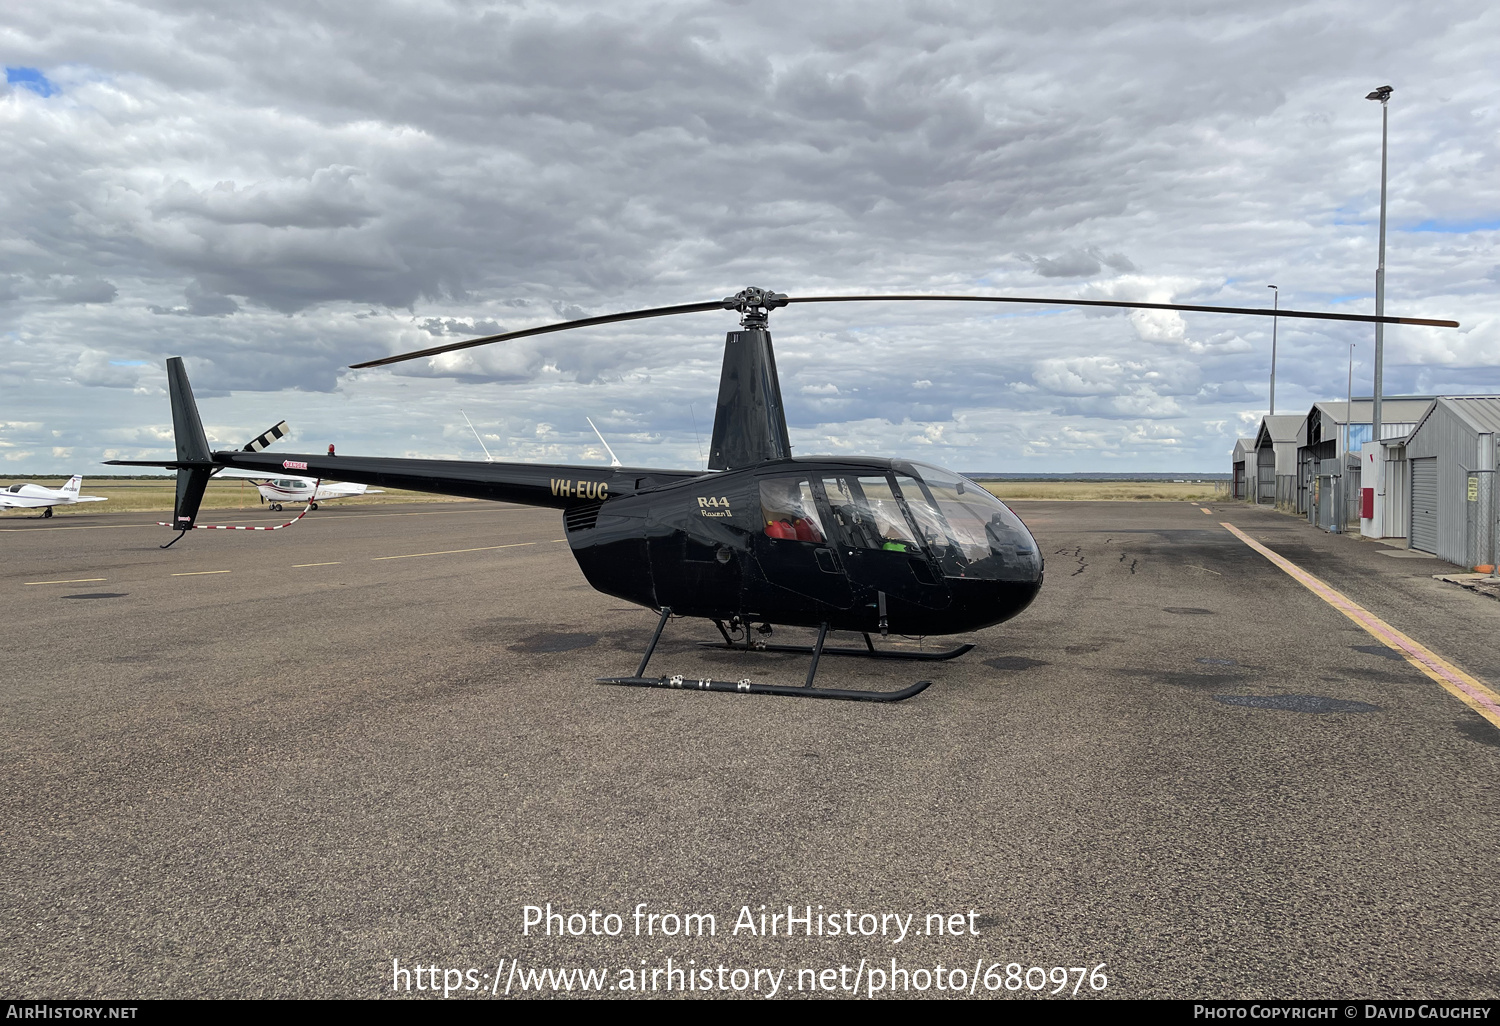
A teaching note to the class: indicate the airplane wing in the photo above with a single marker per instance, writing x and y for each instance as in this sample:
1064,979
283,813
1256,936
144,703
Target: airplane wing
342,489
326,489
248,475
42,502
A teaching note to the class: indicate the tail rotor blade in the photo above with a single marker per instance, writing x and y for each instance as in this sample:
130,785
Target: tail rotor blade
263,440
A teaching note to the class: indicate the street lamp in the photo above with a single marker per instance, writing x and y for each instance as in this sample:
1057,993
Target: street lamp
1348,444
1383,94
1275,305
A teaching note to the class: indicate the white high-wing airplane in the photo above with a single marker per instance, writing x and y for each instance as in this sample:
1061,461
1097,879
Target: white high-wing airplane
278,490
31,496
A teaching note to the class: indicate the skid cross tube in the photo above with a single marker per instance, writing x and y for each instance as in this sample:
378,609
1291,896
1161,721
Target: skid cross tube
666,614
812,671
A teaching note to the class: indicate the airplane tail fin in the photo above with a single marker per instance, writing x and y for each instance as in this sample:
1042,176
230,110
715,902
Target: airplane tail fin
74,485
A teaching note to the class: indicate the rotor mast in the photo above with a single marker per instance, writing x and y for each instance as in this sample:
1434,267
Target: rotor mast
750,420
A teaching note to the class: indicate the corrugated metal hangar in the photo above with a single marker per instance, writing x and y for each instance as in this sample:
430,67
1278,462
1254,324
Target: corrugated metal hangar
1276,446
1244,468
1451,455
1439,468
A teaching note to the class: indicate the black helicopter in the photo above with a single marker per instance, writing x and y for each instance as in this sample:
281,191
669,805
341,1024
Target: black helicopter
761,538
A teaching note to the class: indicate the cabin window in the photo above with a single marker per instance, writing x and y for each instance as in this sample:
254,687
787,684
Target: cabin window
789,510
972,533
869,514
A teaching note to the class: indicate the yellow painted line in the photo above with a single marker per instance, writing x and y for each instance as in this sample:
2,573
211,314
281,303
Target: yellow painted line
200,573
1465,687
450,552
76,580
298,565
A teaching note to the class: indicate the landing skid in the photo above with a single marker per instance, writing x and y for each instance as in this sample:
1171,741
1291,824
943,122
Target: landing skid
868,652
748,687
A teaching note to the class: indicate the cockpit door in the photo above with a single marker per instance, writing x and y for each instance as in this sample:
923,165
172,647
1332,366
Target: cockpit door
793,550
877,542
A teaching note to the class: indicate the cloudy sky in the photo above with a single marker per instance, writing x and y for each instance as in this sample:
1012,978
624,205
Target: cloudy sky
275,190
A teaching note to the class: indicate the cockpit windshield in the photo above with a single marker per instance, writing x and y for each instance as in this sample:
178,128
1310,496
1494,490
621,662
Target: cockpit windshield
970,532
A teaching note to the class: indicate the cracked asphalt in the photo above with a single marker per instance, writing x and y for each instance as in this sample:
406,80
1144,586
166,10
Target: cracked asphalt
375,736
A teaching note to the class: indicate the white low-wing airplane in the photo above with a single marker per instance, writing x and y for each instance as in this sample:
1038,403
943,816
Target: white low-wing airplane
278,490
31,496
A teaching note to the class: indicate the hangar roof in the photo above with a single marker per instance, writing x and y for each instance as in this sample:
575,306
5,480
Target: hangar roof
1397,410
1480,412
1282,427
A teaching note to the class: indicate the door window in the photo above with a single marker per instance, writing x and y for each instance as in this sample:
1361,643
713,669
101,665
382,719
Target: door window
789,510
868,513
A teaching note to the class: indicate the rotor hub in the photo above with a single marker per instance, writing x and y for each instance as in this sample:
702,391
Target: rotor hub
755,305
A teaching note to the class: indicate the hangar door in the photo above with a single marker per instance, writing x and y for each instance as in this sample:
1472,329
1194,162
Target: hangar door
1424,503
1265,479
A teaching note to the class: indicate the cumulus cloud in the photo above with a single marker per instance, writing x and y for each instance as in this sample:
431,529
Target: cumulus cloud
277,192
97,369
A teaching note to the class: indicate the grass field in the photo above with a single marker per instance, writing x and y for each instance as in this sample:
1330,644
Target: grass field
159,493
1126,491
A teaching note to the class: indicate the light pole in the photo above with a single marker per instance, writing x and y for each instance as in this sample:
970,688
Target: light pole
1275,305
1383,94
1349,400
1343,491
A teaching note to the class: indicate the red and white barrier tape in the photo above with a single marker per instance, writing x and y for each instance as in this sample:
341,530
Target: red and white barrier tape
238,527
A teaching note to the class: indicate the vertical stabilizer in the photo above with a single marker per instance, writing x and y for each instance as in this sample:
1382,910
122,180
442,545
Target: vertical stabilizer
187,428
74,485
192,447
750,424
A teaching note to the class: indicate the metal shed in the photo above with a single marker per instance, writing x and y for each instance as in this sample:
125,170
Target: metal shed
1276,458
1389,508
1328,460
1243,469
1451,455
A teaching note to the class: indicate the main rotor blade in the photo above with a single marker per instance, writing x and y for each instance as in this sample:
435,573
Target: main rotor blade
634,315
668,311
1124,305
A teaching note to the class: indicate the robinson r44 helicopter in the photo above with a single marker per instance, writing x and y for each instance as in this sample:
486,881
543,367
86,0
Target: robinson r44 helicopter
761,538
